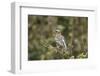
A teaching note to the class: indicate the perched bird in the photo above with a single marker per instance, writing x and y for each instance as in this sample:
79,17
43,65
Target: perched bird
60,41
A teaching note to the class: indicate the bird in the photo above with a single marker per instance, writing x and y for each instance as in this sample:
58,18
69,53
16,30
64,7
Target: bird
60,41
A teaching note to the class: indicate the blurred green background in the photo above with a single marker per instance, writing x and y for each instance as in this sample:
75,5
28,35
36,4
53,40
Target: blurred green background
41,43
